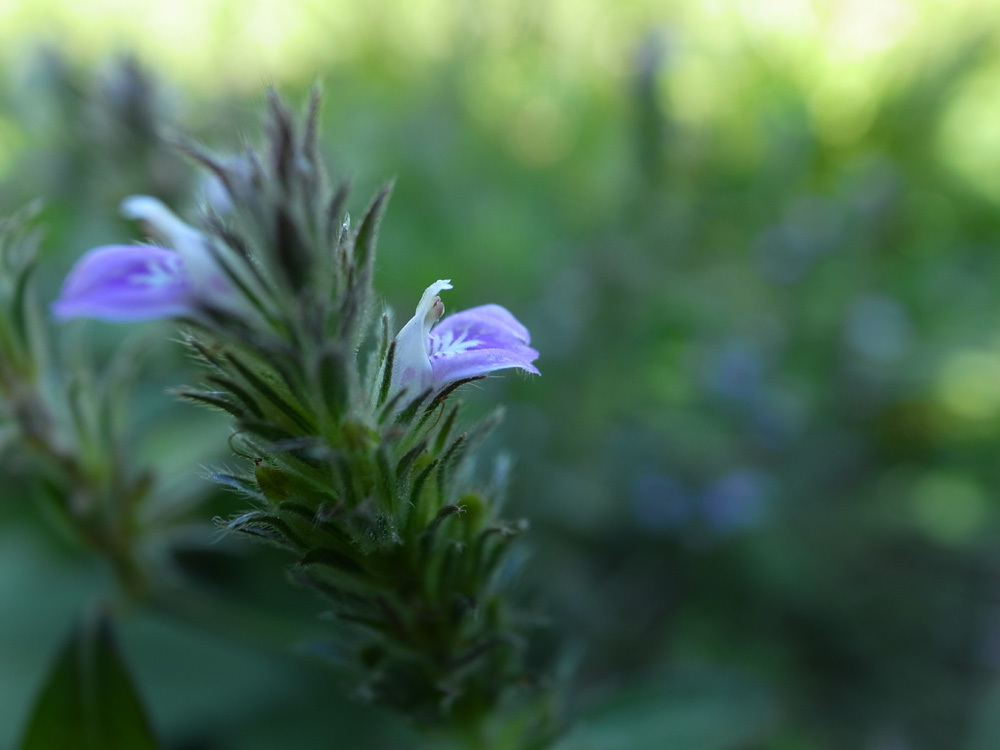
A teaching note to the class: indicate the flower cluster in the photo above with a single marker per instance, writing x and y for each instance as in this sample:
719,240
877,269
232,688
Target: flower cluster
145,282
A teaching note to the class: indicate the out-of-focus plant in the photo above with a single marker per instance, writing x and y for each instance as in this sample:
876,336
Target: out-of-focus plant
70,430
358,461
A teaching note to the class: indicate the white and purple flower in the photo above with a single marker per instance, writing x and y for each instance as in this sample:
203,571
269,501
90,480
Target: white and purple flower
145,282
468,344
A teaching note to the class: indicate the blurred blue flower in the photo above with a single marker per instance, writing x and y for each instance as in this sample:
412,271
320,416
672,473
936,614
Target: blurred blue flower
468,344
661,502
736,371
736,501
812,227
878,328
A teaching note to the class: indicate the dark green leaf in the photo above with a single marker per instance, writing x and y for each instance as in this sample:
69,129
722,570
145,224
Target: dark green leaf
383,388
403,467
241,394
215,399
407,414
442,436
696,708
332,559
386,479
267,527
261,386
89,701
334,379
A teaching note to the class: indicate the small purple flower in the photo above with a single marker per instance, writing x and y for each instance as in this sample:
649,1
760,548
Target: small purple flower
125,283
464,345
144,282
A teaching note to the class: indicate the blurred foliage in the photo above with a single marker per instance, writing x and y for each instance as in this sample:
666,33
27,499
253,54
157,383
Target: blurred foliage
758,251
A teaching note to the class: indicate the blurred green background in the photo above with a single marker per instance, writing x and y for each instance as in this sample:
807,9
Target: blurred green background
758,247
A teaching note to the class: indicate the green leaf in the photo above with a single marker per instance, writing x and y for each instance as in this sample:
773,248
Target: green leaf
277,484
268,527
261,386
403,467
240,394
214,399
89,701
334,372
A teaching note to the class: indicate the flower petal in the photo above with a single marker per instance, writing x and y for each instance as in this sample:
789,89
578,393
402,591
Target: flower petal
411,366
184,238
479,341
465,345
483,321
126,283
191,245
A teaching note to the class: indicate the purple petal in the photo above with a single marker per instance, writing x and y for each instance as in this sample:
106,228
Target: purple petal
125,283
477,342
485,320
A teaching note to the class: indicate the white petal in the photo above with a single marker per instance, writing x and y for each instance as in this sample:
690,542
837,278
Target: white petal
411,364
182,237
430,308
185,239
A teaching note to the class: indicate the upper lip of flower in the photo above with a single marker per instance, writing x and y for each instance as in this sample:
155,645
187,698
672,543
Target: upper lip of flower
187,241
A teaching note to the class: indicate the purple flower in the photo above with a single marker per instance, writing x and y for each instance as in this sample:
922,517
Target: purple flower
465,345
145,282
123,283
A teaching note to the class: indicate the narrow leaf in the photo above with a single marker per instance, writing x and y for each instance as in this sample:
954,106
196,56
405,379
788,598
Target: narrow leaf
214,399
334,379
265,390
383,388
364,241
